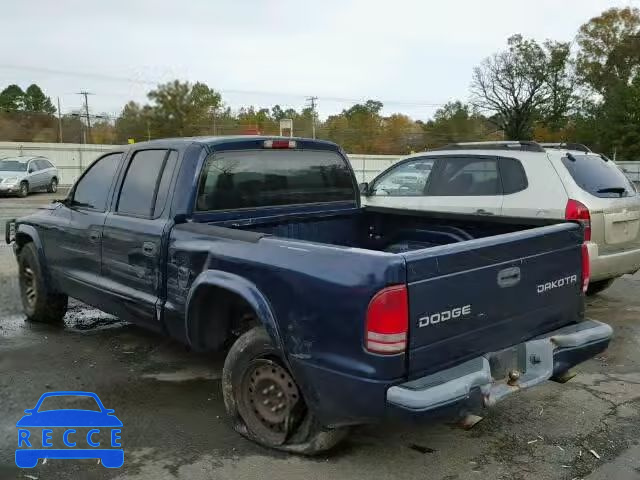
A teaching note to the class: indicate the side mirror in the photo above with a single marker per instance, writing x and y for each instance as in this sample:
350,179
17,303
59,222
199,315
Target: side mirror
364,188
31,169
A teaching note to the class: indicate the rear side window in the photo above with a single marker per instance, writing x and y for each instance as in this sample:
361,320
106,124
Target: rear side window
405,180
140,186
598,176
165,182
262,178
513,177
458,176
92,189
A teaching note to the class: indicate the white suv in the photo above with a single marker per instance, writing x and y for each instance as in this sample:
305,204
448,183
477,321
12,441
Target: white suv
524,179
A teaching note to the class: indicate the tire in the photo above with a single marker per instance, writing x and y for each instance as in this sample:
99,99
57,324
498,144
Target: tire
24,190
597,287
53,186
40,304
253,364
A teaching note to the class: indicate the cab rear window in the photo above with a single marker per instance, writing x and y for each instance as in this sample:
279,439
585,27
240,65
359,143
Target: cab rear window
263,178
598,176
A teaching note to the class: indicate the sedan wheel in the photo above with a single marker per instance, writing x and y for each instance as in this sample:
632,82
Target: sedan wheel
53,186
24,189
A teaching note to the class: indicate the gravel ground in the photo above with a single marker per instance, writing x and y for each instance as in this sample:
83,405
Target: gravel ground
170,402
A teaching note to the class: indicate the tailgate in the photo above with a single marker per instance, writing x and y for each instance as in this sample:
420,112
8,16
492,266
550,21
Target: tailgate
483,295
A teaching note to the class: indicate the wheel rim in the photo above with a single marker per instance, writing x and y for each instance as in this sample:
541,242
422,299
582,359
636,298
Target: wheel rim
29,285
23,189
268,400
54,186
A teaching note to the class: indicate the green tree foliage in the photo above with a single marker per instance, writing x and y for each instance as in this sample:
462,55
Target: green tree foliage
458,122
609,49
608,65
34,100
12,99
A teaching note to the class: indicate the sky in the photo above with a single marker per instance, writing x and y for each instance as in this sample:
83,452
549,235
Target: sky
412,55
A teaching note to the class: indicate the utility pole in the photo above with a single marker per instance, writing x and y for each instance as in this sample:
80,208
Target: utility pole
312,102
59,122
86,94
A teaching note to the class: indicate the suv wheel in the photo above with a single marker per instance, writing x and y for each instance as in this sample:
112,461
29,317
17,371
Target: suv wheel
24,190
39,302
264,401
53,186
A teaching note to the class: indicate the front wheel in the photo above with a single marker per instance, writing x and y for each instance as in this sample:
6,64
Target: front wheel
53,186
597,287
24,190
264,401
39,302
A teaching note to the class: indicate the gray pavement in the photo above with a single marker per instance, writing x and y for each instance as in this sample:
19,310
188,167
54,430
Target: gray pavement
170,402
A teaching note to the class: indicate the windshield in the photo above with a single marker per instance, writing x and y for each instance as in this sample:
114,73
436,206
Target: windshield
598,176
260,178
69,402
12,166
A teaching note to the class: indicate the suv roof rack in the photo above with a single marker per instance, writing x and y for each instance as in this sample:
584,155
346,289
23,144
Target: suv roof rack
579,147
523,146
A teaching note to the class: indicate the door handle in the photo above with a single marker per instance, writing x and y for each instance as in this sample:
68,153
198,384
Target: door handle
94,236
148,249
482,211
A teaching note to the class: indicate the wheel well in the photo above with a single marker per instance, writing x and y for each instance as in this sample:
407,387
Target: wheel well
22,239
218,316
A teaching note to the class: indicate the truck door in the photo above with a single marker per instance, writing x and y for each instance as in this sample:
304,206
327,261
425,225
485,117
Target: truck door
132,241
73,235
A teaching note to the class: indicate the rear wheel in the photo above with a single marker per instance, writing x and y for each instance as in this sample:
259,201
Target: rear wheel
24,190
53,186
39,302
597,287
264,401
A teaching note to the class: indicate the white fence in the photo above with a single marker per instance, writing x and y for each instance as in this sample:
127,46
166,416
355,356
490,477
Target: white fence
71,159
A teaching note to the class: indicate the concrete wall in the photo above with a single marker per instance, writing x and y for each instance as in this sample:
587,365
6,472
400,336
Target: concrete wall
71,159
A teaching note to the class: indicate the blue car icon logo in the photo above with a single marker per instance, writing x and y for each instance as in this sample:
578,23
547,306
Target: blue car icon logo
81,433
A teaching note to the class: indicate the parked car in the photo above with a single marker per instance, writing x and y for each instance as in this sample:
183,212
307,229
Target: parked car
336,315
524,179
23,175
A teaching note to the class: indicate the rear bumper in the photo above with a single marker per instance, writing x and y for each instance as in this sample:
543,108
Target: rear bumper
340,399
605,266
536,361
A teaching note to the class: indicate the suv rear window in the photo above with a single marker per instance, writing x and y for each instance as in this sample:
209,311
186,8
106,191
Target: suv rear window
262,178
598,176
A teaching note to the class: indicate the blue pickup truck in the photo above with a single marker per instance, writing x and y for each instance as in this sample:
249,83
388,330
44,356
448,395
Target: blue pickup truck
332,314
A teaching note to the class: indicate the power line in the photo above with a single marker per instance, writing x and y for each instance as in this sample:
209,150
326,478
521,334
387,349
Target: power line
113,78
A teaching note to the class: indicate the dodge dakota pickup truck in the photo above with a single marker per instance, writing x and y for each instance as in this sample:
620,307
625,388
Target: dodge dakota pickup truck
332,314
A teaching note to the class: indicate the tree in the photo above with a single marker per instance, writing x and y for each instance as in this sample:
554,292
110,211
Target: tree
609,49
34,100
522,83
11,99
456,122
184,109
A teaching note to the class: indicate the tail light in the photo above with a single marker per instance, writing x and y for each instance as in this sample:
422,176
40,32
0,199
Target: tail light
388,321
279,144
586,268
577,211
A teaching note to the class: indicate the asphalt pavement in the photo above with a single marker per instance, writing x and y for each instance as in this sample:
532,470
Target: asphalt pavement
170,403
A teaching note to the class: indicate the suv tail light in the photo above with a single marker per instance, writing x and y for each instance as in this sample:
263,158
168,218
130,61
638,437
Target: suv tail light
388,321
577,211
586,268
